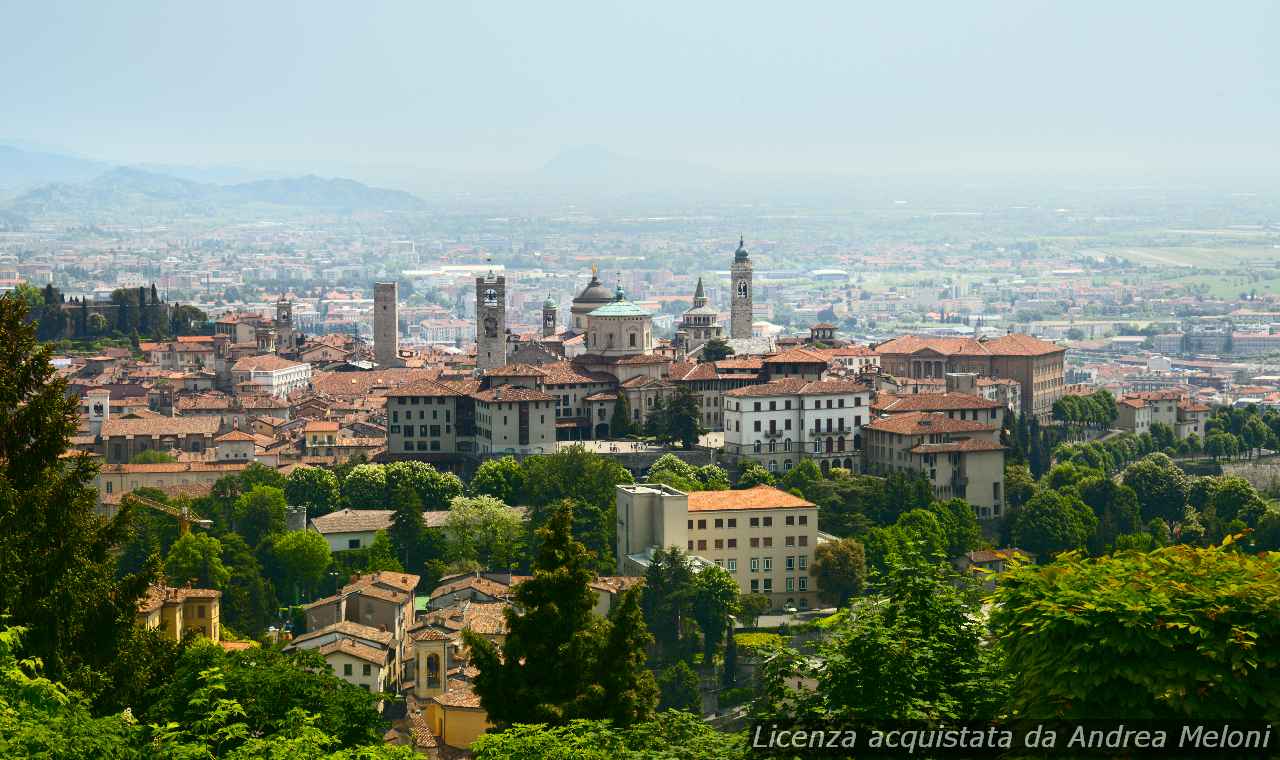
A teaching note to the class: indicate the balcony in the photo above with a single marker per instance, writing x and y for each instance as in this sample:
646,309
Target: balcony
771,434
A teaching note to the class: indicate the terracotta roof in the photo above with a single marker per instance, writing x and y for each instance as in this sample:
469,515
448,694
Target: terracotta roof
229,468
150,426
515,370
1017,344
795,386
405,582
484,618
321,426
357,650
968,444
479,583
234,435
910,344
797,356
264,363
347,628
427,633
758,497
923,423
602,396
157,596
509,393
353,521
425,387
932,402
459,697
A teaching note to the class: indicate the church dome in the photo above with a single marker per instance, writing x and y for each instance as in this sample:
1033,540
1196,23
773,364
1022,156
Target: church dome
594,293
550,303
741,253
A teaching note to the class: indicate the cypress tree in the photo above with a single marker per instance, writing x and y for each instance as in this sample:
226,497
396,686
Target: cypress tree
57,557
560,661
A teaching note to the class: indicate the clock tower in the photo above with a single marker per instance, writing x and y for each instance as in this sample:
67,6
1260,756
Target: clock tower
491,321
740,309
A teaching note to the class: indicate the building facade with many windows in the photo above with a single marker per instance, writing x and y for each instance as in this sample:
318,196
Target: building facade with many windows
775,424
763,537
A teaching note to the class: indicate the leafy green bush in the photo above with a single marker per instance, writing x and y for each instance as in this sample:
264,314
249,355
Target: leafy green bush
1180,632
750,644
737,696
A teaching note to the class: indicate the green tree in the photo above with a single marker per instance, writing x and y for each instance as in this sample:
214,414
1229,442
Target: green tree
260,512
1116,507
839,571
483,530
673,471
436,489
959,525
382,555
366,487
152,456
528,682
672,734
678,420
913,653
753,606
197,558
1114,639
668,600
57,562
315,488
627,681
713,478
922,529
303,557
1255,435
716,350
803,477
620,422
1161,487
1019,486
590,482
1053,522
1163,435
407,525
715,602
248,599
502,478
678,688
754,475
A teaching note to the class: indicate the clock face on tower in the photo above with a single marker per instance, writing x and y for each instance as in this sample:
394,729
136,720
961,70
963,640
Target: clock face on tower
742,289
491,297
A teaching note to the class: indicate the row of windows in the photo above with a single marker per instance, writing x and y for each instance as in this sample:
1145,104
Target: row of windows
422,415
756,522
786,404
791,584
756,543
365,669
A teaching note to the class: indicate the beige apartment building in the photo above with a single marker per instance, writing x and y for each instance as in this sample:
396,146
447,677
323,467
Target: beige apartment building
961,458
762,536
513,420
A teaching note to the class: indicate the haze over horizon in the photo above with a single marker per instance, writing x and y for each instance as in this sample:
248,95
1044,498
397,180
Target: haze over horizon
378,91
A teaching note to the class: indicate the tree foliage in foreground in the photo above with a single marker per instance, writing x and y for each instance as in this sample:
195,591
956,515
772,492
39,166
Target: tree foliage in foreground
1176,633
671,735
528,681
57,561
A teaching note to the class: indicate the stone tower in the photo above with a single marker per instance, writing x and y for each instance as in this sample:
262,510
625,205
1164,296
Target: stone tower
491,321
386,324
286,338
549,309
740,274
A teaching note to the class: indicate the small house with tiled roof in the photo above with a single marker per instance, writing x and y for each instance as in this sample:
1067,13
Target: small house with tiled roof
960,458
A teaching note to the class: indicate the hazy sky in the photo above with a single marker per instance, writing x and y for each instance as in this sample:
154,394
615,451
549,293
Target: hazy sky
854,87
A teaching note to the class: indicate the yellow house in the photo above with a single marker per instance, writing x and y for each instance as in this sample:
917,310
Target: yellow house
451,707
176,611
457,717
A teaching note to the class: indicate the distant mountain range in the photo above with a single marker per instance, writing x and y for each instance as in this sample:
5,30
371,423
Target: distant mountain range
75,185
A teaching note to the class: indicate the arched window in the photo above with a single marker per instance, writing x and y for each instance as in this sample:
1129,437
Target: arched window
786,445
786,464
433,671
840,443
773,446
756,447
632,337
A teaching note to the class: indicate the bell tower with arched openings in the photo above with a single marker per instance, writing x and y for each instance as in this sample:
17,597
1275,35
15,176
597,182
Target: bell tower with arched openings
740,308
